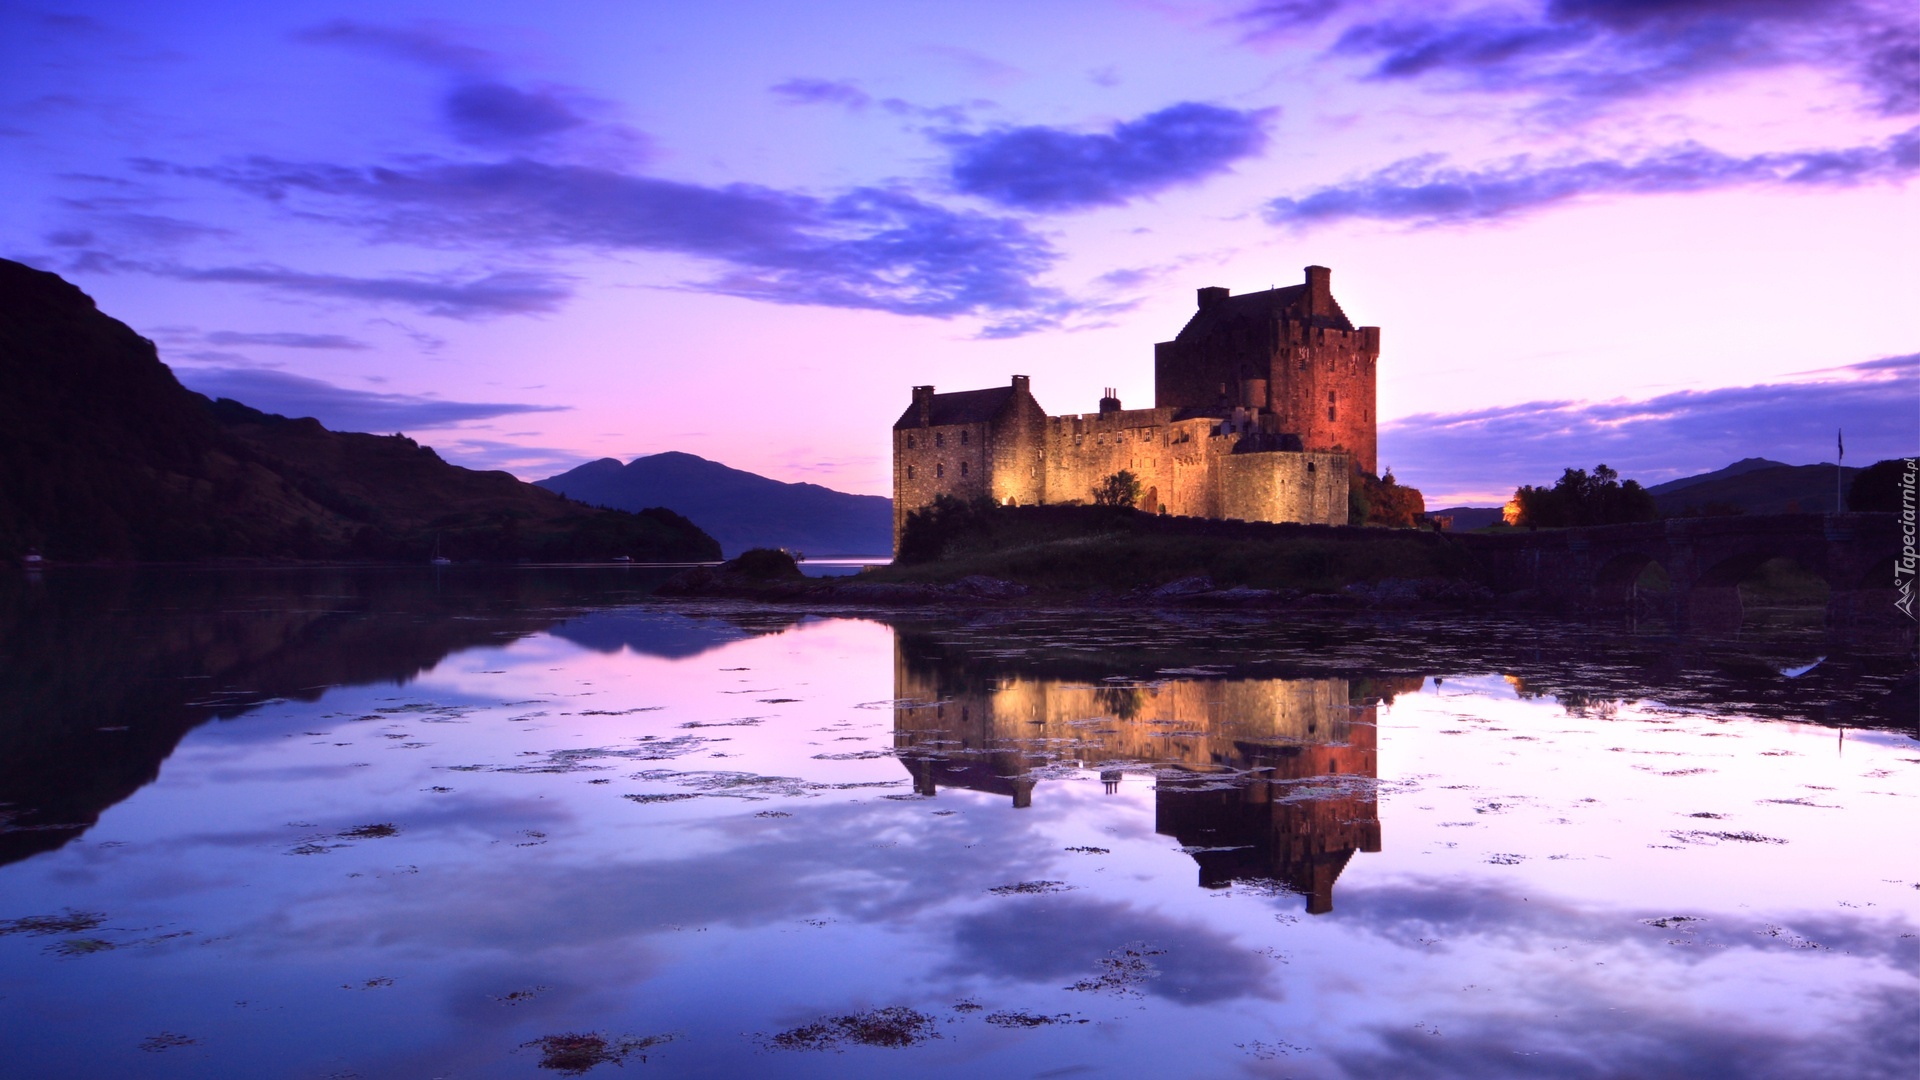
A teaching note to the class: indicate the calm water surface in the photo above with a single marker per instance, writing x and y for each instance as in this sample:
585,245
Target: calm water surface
516,825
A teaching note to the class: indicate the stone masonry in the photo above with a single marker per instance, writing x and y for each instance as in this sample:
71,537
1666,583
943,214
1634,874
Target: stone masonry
1263,404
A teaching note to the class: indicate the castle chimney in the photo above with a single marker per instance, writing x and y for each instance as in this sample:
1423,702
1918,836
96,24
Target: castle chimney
1111,402
1319,290
1211,295
923,404
1020,384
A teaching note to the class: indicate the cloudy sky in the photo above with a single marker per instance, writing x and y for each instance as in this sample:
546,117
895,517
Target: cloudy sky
1663,234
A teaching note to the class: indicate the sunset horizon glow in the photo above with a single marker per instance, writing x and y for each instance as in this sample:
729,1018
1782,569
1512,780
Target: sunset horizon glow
1661,235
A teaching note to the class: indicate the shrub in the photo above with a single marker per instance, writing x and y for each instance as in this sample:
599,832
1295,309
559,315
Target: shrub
1120,489
1581,499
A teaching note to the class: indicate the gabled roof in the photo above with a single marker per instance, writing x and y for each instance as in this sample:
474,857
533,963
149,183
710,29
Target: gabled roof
1288,302
960,407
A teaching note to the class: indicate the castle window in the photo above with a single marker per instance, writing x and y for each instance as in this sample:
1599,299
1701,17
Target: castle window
1330,398
1309,466
963,438
939,470
963,468
909,472
909,442
1329,412
939,438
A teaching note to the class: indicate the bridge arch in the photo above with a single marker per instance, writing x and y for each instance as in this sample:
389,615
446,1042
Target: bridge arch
1626,574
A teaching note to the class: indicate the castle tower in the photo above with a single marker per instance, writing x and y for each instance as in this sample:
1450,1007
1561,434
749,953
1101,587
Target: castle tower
1291,352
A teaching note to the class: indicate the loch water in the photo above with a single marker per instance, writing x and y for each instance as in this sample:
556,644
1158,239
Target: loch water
420,823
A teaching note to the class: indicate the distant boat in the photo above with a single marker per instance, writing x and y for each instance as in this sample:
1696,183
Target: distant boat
439,559
32,560
623,558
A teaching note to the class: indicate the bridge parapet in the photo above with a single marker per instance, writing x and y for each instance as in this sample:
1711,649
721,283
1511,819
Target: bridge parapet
1705,559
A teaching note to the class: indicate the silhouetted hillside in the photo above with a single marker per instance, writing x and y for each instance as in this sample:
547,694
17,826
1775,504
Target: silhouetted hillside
1752,486
104,455
1738,468
741,509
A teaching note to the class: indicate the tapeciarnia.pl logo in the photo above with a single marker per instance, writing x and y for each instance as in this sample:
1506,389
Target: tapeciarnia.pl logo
1903,566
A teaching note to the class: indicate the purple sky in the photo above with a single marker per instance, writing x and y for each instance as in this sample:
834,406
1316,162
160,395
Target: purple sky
1663,234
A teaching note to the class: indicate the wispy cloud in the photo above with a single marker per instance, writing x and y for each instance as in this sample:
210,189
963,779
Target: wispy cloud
868,247
1045,168
429,44
1586,53
805,91
494,113
1425,191
285,339
340,408
502,292
1486,453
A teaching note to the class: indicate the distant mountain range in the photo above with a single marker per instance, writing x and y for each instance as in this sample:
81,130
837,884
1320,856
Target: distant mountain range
104,455
740,509
1749,486
1754,486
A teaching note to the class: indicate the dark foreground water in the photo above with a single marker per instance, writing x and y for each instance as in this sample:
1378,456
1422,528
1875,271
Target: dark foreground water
387,824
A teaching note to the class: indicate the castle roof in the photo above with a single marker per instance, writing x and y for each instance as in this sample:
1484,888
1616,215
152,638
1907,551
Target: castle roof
1288,302
960,407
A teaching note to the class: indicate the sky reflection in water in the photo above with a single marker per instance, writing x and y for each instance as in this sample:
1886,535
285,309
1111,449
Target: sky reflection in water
1066,860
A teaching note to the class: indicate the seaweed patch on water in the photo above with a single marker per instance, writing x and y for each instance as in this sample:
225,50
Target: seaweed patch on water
521,996
69,921
581,759
1670,922
892,1027
855,755
1267,1051
1087,850
1258,886
1014,1018
1703,836
576,1053
377,831
1123,971
1030,888
662,797
734,785
85,946
166,1040
620,712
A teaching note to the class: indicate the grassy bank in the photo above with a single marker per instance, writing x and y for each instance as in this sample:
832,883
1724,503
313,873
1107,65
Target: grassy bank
1082,548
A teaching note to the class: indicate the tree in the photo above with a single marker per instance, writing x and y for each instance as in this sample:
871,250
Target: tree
1383,501
1877,487
1578,498
1120,489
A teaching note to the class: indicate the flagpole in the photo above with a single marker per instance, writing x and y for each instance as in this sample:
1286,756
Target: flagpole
1839,468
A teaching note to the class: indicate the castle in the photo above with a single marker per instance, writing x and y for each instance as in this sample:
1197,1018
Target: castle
1263,403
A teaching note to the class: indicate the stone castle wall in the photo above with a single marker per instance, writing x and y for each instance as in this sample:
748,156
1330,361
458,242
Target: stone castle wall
1189,468
1318,382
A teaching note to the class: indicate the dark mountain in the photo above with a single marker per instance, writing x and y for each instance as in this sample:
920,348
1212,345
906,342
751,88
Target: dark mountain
104,455
1767,488
741,509
1738,468
1470,517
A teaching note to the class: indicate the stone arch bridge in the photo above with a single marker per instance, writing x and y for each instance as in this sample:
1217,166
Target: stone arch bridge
1705,560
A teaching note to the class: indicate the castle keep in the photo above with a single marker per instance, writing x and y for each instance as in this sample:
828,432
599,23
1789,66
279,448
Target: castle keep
1263,403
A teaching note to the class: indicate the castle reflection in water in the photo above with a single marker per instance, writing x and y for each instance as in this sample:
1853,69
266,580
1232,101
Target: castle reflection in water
1260,780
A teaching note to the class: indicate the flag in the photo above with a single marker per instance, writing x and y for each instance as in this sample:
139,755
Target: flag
1840,437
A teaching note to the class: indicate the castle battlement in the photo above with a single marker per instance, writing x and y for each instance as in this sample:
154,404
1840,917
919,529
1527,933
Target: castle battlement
1263,404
